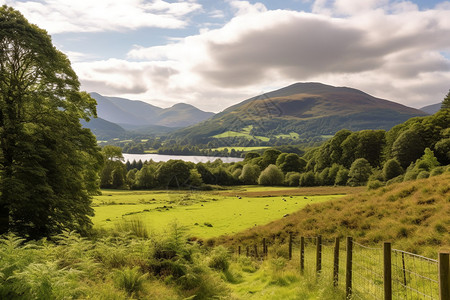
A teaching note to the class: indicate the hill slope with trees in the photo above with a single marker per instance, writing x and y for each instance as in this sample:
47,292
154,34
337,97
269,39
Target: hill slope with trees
309,109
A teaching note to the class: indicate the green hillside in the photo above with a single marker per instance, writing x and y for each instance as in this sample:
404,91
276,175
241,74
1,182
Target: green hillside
308,109
414,215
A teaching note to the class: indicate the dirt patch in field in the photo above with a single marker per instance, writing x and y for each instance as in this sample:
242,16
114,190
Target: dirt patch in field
304,191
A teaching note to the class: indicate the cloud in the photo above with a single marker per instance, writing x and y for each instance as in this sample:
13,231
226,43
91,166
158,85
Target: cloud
372,46
59,16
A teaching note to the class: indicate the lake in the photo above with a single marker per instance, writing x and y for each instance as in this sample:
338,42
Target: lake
191,158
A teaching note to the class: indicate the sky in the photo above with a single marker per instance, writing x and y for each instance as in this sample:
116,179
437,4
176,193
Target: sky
213,54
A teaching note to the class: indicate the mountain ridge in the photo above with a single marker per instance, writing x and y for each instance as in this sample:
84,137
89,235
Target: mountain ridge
139,113
310,109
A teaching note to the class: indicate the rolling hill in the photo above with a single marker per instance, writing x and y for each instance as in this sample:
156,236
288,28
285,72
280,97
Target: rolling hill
309,109
103,129
132,114
431,109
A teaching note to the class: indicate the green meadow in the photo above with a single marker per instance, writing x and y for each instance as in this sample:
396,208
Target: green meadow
204,214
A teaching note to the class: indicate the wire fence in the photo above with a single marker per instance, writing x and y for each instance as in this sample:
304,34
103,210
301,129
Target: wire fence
363,272
414,276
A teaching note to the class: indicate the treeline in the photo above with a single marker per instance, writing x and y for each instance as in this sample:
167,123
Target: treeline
417,148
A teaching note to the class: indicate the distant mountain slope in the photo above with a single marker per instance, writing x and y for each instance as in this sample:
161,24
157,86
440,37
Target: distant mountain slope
309,109
103,129
431,109
138,113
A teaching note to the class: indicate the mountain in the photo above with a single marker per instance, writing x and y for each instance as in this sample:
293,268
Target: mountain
103,129
136,114
431,109
308,109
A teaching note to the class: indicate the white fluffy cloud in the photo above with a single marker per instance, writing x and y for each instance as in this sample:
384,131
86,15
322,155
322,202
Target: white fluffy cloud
58,16
391,50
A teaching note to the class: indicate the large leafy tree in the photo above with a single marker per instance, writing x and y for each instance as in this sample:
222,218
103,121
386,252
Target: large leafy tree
48,162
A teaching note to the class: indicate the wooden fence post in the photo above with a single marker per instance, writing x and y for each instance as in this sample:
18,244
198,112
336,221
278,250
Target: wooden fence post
336,263
256,251
348,271
302,254
387,271
248,251
290,245
444,276
264,247
318,254
239,250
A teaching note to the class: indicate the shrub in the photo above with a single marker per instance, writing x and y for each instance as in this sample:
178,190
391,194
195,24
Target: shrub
423,174
272,175
250,174
392,169
219,259
437,171
292,179
307,179
130,280
374,184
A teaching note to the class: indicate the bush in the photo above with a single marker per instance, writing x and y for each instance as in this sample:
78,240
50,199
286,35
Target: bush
219,259
392,169
307,179
437,171
250,174
130,280
272,175
292,179
423,174
397,179
374,184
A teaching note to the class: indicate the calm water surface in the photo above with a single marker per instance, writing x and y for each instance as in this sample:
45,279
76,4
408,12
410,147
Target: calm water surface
191,158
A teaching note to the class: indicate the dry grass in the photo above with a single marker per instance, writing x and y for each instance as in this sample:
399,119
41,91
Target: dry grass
310,191
413,215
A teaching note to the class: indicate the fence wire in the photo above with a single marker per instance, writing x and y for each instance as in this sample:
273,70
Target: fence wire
367,276
414,276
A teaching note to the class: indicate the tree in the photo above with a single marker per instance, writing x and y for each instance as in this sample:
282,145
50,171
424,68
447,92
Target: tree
48,162
391,169
446,103
272,175
408,147
269,157
173,173
250,174
359,172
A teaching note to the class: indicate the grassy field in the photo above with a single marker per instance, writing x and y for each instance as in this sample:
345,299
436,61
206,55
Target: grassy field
206,214
413,215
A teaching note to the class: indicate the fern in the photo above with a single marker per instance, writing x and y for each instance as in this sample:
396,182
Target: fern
130,280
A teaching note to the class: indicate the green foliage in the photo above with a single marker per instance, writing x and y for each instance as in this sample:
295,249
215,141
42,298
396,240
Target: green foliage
269,157
195,179
48,162
219,259
130,279
174,173
307,179
408,147
446,102
46,281
250,174
374,184
359,172
272,175
392,169
292,179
